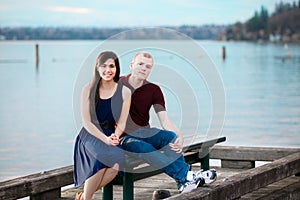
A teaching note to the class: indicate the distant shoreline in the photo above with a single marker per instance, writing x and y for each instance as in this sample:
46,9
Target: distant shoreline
207,32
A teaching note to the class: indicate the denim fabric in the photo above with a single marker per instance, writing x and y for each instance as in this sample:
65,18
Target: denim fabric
152,146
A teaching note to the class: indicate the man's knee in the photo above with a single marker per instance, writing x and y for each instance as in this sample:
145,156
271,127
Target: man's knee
130,144
172,135
168,136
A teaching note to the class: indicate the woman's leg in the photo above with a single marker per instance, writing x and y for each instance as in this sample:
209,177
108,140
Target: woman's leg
108,176
91,184
98,180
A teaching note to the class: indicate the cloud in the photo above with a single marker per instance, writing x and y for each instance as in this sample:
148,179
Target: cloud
70,10
5,8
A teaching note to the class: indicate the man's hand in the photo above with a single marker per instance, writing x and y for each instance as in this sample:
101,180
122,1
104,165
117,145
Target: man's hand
177,146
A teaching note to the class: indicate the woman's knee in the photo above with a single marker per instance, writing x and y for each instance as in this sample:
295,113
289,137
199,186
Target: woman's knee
115,167
112,172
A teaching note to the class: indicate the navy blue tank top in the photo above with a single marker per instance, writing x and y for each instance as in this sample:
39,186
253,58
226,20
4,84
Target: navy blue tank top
108,111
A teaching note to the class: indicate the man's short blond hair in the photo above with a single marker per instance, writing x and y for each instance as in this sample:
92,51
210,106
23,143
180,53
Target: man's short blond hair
145,54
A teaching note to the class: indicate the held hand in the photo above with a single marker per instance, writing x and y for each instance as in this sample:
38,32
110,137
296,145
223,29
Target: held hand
177,145
114,136
114,139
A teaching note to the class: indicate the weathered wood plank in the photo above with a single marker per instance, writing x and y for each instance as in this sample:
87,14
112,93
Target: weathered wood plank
204,143
288,188
290,192
237,164
247,181
51,194
250,153
36,183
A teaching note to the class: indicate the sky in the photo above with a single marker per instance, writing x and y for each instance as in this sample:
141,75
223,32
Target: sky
129,13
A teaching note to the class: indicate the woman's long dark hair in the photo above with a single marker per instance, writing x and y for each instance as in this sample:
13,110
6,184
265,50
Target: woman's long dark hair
95,82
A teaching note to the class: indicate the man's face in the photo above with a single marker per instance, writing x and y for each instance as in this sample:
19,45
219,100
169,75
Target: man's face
141,67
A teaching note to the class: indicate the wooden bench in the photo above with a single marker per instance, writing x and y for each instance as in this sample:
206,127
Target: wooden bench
47,185
194,153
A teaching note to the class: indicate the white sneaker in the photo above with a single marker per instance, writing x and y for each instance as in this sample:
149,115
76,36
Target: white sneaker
190,185
209,176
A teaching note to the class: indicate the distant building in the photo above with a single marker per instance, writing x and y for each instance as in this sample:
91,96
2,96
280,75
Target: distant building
274,38
2,37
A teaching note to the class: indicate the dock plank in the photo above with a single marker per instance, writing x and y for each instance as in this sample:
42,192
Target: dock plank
277,190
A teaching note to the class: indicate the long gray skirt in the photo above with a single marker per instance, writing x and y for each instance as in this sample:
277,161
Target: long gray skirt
92,155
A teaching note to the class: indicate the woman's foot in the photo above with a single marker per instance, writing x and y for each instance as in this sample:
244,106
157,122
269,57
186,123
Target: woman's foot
79,196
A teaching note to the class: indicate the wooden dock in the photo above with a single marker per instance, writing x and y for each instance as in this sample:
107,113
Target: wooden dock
238,170
240,176
144,188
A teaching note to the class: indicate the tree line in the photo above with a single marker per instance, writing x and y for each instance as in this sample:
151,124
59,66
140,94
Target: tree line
283,25
210,32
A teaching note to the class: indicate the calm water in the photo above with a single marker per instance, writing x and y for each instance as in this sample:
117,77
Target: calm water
37,127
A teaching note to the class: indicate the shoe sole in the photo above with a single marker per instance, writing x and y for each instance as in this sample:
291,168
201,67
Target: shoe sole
200,183
188,188
191,187
212,179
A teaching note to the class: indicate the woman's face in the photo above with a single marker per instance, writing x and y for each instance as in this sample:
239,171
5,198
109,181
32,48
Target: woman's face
107,70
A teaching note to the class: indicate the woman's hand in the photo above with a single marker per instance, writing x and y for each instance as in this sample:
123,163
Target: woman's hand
113,139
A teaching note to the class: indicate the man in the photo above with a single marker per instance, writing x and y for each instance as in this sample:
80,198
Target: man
144,142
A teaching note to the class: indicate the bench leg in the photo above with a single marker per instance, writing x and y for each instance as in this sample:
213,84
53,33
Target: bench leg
128,186
205,162
107,192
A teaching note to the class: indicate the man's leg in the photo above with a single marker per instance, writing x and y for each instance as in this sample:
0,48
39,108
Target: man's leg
147,149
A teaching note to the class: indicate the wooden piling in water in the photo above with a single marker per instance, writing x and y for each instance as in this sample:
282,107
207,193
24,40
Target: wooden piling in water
223,53
36,56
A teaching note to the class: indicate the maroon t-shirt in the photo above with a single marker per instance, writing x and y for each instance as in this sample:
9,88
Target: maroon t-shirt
142,98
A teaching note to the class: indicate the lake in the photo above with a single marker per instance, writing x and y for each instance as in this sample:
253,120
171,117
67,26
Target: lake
37,124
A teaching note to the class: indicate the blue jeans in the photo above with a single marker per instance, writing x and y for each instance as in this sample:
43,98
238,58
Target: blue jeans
152,146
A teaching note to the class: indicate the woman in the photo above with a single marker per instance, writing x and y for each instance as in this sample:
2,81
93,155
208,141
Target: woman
104,108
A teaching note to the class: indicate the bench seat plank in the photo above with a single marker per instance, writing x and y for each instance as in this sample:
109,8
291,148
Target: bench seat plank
193,152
